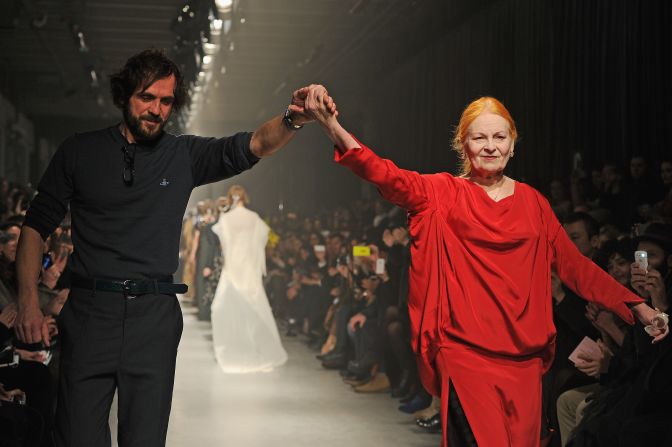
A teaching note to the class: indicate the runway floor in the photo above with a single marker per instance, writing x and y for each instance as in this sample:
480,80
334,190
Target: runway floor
299,404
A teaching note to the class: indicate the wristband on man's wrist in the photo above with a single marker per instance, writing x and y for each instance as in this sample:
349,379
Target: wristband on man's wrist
287,121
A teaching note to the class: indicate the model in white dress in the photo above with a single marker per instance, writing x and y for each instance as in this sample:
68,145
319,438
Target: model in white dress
244,332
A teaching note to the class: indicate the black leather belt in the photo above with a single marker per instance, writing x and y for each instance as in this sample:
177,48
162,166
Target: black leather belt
130,287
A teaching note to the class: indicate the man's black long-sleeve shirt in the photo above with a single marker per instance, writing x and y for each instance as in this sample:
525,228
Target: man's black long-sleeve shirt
122,231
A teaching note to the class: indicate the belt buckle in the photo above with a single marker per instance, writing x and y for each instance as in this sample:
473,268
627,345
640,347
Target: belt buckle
127,285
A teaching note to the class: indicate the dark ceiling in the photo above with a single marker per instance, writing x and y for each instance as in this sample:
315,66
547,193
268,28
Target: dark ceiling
273,46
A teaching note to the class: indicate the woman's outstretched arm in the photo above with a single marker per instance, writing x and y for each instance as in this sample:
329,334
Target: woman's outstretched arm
406,189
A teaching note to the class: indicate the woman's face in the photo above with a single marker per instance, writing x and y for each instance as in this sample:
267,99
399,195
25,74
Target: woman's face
619,269
488,144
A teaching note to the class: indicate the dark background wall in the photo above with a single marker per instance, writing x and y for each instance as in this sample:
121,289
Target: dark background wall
588,76
578,76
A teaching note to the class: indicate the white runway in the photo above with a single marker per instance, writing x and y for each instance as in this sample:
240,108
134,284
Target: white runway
298,405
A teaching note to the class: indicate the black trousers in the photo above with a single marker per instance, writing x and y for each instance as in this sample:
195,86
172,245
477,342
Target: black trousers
110,342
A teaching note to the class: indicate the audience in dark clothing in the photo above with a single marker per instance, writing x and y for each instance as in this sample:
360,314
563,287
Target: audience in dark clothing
339,280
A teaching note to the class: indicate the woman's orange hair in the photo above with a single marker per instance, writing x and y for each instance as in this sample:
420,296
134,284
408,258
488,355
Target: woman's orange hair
473,110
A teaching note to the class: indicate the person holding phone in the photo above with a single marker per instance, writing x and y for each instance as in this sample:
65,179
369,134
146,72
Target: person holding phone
651,273
479,291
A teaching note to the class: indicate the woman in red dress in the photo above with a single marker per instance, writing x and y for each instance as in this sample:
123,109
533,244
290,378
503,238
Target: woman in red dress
480,287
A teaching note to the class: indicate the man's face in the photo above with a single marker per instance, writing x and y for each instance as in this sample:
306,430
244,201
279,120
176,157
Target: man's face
579,235
148,110
9,249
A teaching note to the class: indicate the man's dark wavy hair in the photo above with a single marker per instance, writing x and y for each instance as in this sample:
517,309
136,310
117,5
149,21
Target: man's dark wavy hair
141,71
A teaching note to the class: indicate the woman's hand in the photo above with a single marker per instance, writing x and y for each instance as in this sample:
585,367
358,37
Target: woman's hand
313,103
593,367
32,356
655,322
51,326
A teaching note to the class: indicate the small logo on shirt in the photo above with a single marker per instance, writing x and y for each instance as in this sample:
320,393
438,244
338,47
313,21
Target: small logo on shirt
164,182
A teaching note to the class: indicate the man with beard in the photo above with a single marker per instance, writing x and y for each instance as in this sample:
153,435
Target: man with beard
127,187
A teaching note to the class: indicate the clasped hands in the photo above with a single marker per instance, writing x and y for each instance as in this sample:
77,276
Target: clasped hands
312,103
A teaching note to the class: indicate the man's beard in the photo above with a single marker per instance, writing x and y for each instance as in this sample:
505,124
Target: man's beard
134,124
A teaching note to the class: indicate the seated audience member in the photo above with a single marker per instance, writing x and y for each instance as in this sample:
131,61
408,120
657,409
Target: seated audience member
570,323
613,257
629,409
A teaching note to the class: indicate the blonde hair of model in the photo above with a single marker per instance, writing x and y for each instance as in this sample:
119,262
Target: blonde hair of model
237,194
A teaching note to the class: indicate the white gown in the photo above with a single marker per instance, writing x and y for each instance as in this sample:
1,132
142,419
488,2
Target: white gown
244,332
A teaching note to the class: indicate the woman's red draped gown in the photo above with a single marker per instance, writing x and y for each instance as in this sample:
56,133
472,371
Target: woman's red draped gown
480,293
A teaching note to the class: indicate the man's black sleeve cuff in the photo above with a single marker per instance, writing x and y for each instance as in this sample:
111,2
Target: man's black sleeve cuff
44,215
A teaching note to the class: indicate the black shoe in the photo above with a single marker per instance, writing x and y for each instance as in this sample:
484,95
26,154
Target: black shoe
331,355
337,361
408,397
432,425
404,386
359,368
291,328
420,401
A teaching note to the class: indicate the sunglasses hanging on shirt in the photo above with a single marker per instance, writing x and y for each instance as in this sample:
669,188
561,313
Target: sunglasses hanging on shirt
129,164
